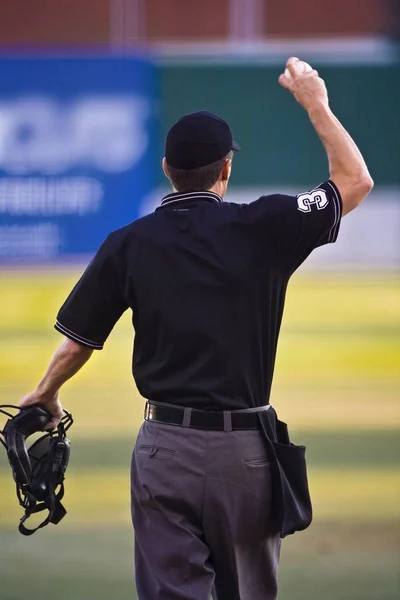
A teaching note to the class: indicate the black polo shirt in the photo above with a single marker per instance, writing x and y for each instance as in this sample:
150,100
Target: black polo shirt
206,282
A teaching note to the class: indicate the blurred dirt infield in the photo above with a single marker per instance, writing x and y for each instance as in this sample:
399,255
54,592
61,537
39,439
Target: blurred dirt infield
337,383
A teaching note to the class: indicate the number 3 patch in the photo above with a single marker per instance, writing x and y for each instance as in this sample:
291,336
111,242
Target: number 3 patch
317,197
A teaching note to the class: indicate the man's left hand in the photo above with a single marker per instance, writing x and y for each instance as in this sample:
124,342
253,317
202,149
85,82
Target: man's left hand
48,401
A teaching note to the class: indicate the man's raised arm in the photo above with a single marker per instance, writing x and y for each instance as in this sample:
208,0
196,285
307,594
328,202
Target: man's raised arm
346,164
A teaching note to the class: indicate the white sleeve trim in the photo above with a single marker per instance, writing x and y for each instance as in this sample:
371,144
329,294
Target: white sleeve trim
338,214
78,338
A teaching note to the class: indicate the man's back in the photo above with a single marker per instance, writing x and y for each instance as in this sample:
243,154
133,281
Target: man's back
207,299
206,282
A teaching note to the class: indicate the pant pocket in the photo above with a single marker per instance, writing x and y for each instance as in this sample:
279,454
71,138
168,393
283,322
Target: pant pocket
257,461
152,450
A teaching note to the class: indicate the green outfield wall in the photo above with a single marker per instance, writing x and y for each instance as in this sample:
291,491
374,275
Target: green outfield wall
278,142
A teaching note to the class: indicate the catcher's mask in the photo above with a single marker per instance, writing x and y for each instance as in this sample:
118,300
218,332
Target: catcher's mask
39,470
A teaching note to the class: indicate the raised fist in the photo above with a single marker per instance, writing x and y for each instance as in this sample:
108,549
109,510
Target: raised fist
304,83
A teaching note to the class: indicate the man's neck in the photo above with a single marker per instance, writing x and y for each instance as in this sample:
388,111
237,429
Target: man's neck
215,190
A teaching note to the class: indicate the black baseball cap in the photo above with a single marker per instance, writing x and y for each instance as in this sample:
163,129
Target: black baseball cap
198,139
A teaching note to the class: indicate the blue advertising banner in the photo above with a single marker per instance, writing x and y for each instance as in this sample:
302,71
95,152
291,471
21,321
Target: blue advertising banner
77,152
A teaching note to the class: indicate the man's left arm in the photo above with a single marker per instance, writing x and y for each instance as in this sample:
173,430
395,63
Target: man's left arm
86,319
66,362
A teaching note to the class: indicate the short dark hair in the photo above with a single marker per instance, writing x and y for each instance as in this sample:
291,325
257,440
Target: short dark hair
197,180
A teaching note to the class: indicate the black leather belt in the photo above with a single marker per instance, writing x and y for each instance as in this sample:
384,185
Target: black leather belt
201,419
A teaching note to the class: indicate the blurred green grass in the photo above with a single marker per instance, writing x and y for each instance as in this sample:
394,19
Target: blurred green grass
337,384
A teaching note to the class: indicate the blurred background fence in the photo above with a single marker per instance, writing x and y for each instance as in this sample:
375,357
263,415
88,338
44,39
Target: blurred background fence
87,93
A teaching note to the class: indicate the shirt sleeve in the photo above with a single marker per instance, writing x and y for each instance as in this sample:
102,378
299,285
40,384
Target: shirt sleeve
299,224
96,302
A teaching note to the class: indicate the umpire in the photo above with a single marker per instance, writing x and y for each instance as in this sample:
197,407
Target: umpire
206,282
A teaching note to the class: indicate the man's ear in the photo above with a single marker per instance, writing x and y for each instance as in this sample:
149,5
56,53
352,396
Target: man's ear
226,170
165,167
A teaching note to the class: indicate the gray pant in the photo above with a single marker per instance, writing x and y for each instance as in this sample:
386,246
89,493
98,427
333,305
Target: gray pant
201,513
